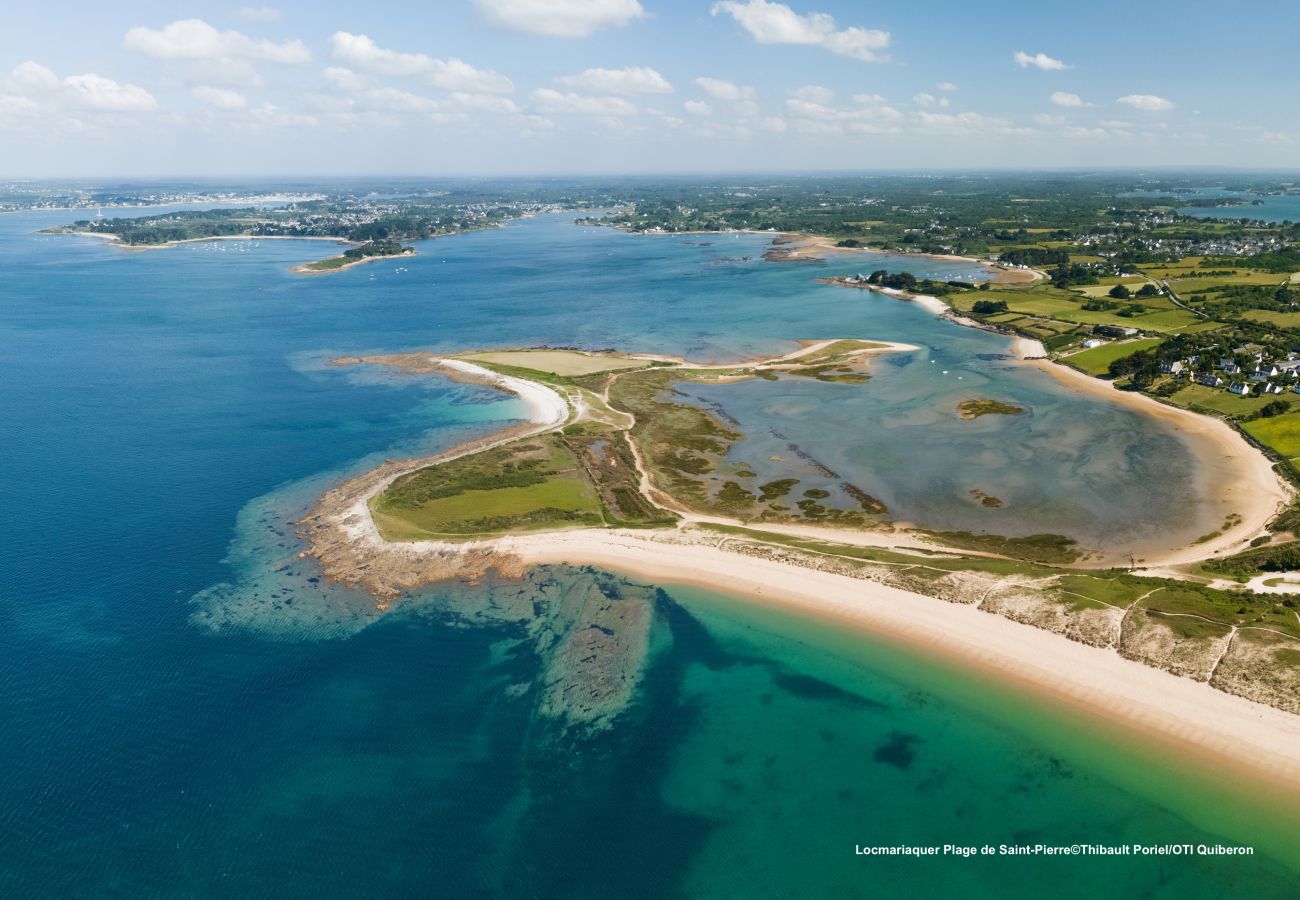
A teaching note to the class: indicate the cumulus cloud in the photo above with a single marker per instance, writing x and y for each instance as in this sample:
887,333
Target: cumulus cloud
220,98
1146,102
449,74
726,91
1061,98
195,39
263,14
1038,61
945,86
552,101
34,86
776,23
813,111
33,76
930,100
345,79
97,92
629,81
559,18
698,108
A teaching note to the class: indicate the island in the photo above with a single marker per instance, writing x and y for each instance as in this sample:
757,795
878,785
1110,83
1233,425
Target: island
355,256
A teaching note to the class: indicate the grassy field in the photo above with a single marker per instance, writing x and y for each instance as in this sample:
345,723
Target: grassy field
1282,433
531,484
1196,396
1271,317
556,362
1097,360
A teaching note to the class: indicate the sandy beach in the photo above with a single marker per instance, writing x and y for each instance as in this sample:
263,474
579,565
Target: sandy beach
1225,729
796,247
1244,480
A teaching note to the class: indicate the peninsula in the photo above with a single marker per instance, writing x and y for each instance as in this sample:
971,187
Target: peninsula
614,470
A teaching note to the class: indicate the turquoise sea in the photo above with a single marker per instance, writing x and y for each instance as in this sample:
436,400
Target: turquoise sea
186,710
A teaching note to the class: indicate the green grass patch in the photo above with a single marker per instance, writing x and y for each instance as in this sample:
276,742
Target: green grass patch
1281,433
1097,360
531,484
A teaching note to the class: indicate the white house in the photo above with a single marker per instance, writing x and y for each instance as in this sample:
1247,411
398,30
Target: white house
1242,387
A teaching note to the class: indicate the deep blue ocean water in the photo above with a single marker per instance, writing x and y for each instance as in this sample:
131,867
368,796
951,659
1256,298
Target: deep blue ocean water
187,711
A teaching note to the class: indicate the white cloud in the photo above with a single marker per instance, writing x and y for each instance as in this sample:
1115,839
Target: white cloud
220,97
1276,137
813,93
92,91
33,76
345,79
1038,61
449,74
194,39
776,23
774,124
491,103
263,14
559,18
813,113
1115,123
1045,119
968,123
945,86
724,90
31,82
551,101
270,114
698,108
11,104
1061,98
1086,134
629,81
930,100
1146,102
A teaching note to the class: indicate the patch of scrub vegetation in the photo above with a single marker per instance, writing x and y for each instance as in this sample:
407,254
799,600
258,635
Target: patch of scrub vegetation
1114,590
1282,557
1043,548
1246,609
775,489
609,462
679,441
836,373
973,409
530,484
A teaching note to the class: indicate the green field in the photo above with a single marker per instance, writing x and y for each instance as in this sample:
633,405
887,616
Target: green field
1282,433
1198,396
1097,360
1271,317
531,484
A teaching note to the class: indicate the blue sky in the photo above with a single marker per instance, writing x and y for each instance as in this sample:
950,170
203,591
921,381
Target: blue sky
609,86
